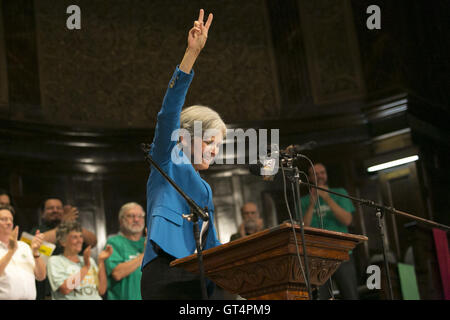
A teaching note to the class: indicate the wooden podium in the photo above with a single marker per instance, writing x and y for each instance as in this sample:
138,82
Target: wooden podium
265,265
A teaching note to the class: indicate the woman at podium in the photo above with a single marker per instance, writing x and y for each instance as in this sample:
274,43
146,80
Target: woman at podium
185,143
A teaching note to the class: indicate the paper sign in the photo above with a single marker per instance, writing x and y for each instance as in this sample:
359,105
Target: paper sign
46,248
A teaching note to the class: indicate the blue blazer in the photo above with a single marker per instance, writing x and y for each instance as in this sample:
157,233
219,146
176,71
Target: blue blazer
165,225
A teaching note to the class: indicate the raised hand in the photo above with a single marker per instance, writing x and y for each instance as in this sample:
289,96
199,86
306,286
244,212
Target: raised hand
87,256
106,253
12,241
37,242
70,213
198,35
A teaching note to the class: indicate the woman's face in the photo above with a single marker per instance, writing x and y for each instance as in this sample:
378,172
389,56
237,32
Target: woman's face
73,242
203,151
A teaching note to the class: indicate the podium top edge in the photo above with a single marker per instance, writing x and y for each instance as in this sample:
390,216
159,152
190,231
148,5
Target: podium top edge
273,232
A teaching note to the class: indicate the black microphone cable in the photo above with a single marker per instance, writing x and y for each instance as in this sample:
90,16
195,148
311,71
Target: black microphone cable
293,227
317,204
319,213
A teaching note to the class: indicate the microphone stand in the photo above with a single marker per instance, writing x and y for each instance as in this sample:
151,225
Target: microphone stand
295,179
380,210
195,213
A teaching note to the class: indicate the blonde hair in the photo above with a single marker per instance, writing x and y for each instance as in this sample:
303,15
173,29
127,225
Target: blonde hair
209,118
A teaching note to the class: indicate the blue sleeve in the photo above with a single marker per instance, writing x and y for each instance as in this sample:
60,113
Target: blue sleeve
168,118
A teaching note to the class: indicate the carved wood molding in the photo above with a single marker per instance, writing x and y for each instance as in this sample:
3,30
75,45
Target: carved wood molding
272,275
265,264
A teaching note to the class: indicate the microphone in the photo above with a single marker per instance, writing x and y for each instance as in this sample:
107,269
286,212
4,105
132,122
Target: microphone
267,167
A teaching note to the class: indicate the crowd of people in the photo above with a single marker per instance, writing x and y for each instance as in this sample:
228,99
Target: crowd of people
70,273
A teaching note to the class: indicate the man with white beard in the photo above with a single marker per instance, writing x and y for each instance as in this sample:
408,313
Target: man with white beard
123,267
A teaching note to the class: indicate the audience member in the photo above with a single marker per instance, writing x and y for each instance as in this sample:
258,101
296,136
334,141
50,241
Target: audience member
337,214
5,197
251,221
75,277
20,265
52,214
123,267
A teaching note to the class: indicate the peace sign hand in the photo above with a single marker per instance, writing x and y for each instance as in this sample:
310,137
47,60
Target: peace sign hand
198,35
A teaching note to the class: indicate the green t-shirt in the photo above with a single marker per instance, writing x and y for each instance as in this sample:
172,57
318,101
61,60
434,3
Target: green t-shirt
128,288
329,219
59,268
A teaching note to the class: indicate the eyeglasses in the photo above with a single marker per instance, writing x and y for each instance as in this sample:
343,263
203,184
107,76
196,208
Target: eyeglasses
133,216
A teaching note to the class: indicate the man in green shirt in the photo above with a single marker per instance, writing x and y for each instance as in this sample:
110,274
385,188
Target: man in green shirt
337,214
123,267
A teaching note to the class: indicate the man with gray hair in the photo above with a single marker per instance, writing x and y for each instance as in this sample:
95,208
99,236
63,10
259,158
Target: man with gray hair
251,221
123,267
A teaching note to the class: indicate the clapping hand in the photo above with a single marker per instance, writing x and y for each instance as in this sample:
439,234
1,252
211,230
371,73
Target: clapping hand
87,256
318,193
12,241
70,213
323,194
106,253
37,242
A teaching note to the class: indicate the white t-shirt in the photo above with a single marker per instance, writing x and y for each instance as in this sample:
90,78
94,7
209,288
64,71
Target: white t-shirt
18,280
59,268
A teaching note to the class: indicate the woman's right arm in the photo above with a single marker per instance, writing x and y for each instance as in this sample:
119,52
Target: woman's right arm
169,116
